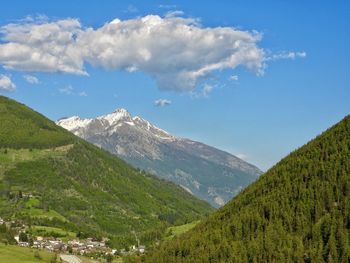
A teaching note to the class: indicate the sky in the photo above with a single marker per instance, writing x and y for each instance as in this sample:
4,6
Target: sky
255,78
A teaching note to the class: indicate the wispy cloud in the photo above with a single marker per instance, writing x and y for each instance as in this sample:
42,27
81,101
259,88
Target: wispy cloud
6,84
31,79
207,89
164,6
203,91
162,102
174,13
131,9
233,78
287,55
82,94
68,90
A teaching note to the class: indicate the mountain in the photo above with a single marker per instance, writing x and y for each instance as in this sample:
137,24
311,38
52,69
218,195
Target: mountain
206,172
298,211
50,177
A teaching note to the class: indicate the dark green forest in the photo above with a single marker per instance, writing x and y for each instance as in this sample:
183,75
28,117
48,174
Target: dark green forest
49,177
298,211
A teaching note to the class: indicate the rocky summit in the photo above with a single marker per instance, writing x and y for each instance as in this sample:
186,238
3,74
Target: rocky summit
206,172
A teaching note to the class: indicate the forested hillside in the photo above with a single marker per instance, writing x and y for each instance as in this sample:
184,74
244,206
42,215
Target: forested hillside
21,127
49,177
299,211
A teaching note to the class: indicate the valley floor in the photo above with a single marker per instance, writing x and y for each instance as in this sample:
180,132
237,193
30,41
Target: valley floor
16,254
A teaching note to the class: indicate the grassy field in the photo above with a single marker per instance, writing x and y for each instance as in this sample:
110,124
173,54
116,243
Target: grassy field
15,254
118,260
40,213
178,230
10,157
33,211
47,231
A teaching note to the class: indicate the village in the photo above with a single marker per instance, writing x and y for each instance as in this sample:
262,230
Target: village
88,246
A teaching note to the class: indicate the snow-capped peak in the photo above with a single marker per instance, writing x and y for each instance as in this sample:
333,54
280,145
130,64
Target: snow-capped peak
146,125
121,111
117,116
73,122
111,123
142,122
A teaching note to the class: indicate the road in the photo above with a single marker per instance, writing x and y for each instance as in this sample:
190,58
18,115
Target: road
70,259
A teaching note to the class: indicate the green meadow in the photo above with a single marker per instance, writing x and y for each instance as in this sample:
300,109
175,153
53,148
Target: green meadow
15,254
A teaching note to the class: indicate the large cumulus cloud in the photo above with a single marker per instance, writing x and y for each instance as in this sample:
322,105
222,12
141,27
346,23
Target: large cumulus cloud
43,46
177,52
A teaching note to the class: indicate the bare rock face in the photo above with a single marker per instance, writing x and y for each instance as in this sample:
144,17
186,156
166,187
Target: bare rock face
206,172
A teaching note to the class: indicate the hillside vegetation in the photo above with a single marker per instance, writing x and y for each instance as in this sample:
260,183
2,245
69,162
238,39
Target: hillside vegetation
22,127
299,211
49,177
15,254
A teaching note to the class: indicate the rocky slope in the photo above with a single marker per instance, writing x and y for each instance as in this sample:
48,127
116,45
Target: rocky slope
204,171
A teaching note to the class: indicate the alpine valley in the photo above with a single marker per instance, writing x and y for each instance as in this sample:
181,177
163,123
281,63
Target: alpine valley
174,131
298,211
51,179
204,171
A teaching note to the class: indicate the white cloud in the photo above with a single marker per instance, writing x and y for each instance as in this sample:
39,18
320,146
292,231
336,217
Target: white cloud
162,102
167,6
6,83
177,52
42,46
82,94
131,9
207,89
68,90
287,55
174,13
234,78
31,79
204,91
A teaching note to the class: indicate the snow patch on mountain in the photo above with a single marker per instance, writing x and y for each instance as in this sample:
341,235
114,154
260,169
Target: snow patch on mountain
204,171
110,123
117,116
73,123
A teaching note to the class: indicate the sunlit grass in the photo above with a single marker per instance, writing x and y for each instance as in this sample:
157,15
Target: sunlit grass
16,254
178,230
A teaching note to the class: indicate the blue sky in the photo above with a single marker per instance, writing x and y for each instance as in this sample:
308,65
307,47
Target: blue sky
261,117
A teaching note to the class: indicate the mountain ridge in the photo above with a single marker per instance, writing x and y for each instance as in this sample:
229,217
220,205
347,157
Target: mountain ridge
50,177
209,173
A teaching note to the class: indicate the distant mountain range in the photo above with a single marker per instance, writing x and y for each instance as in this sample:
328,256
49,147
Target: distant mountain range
204,171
